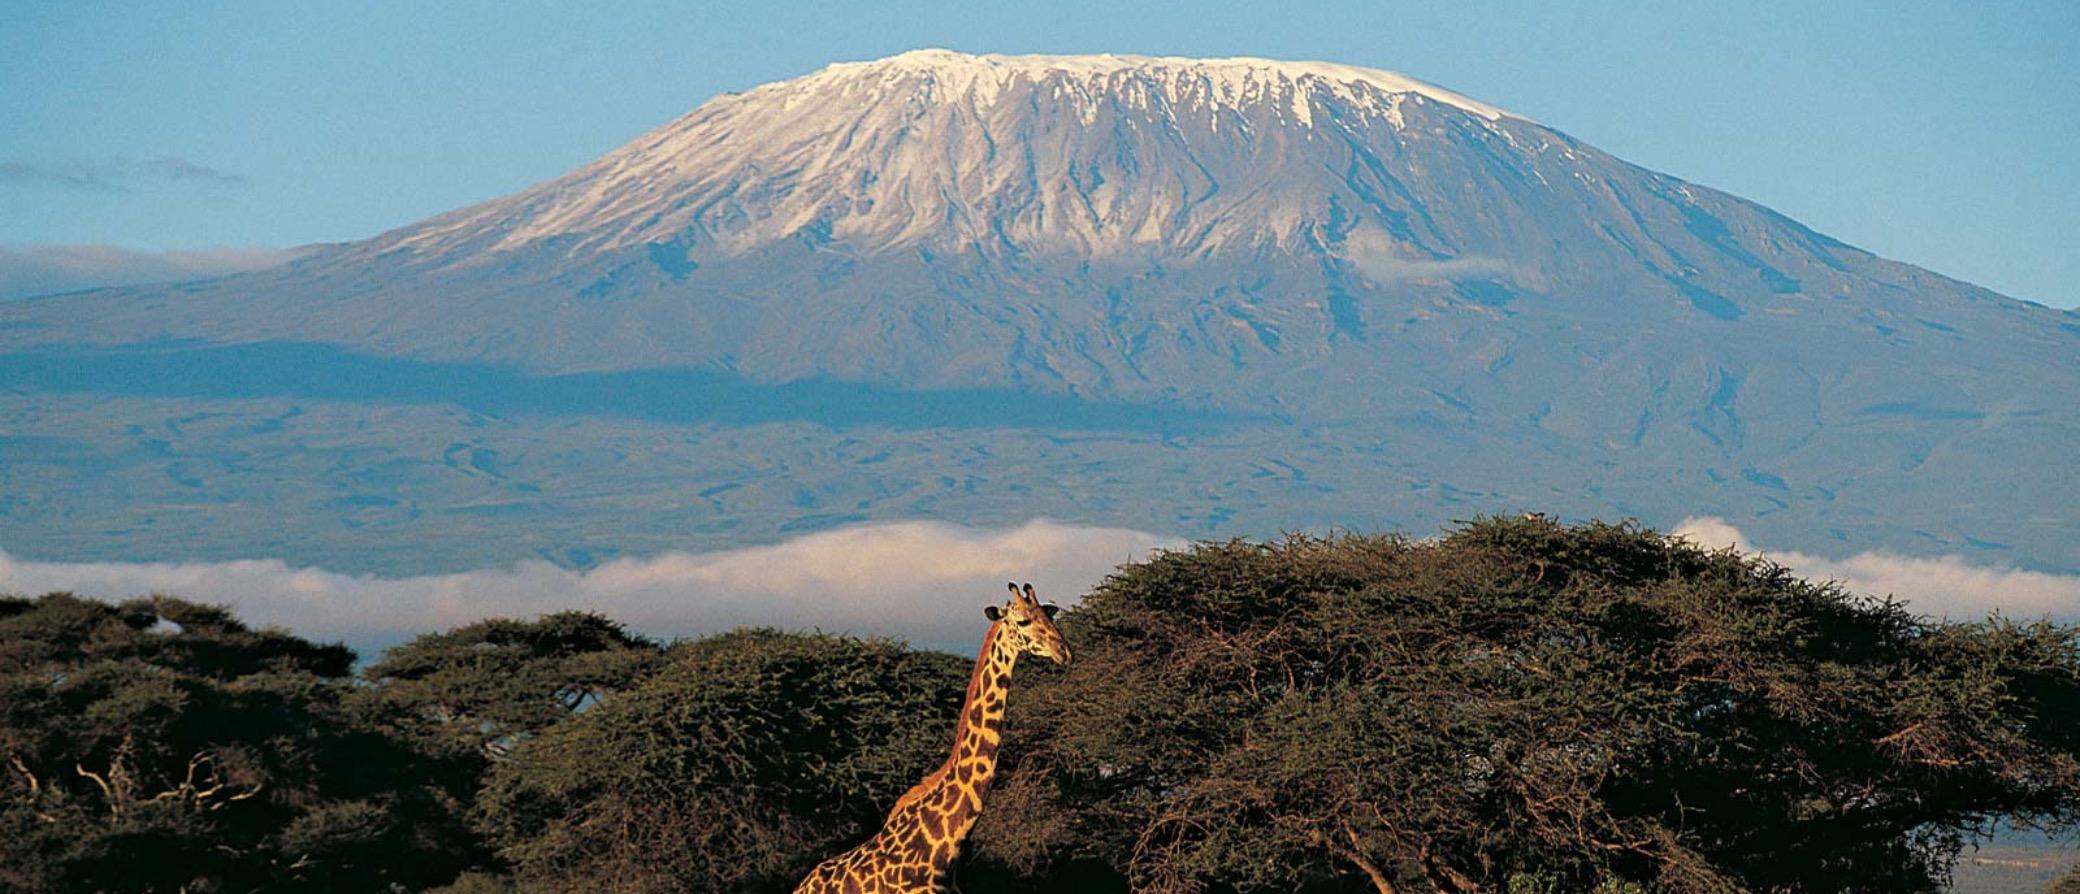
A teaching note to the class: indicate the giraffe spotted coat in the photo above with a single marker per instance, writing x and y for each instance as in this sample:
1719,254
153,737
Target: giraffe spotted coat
915,849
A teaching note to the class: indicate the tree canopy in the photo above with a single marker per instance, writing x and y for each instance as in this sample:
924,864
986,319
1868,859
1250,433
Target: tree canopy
486,687
159,745
1524,702
749,758
1518,707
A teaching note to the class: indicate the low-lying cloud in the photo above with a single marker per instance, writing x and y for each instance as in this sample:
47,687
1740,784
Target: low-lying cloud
1948,587
1379,259
113,174
51,269
922,581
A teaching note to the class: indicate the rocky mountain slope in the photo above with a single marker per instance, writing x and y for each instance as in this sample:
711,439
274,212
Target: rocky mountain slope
1401,304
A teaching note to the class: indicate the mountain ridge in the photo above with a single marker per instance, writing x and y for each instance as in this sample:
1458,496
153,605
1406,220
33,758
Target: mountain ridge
1393,271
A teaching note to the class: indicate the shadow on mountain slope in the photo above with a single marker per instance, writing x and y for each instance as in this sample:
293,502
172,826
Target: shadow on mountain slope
324,372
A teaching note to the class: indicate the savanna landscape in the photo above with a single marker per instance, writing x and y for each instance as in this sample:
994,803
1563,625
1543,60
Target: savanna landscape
1519,705
533,447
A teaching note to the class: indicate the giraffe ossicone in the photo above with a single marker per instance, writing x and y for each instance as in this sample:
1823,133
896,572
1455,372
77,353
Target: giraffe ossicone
915,849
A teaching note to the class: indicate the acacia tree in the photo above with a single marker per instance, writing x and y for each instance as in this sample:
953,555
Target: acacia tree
482,688
161,745
1529,705
745,760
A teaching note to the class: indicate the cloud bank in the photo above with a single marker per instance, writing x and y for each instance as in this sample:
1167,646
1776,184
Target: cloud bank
922,581
113,174
1948,587
50,269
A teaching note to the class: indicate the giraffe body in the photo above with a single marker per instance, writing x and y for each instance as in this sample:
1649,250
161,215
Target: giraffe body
915,849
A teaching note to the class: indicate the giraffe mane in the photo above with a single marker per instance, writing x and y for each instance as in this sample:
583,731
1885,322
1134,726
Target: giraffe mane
921,790
933,780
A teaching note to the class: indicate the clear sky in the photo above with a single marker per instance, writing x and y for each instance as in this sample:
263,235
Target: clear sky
1942,134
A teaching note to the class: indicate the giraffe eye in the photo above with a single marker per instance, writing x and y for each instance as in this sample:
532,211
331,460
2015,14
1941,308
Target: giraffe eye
1025,622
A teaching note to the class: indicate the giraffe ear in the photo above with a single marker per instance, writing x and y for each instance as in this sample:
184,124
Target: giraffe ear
993,612
1050,609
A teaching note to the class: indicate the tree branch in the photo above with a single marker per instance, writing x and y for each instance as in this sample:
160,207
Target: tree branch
1356,854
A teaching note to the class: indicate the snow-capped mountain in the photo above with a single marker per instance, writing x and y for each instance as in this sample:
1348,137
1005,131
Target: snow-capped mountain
1436,305
950,152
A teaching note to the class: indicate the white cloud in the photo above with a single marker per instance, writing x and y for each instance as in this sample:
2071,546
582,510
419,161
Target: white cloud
1948,586
113,174
1378,258
1383,269
50,269
923,581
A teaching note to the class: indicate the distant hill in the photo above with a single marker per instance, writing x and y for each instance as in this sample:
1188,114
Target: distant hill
1198,297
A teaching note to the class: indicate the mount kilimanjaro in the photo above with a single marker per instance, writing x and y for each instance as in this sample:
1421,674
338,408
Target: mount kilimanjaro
1200,297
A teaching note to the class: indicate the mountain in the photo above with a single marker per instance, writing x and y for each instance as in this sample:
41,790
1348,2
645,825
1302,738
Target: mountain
1200,297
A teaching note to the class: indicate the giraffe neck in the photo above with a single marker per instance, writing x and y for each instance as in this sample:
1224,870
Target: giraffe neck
952,797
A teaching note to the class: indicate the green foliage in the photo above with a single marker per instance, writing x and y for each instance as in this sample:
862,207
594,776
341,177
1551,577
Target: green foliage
1519,706
189,638
1578,706
160,745
747,759
487,686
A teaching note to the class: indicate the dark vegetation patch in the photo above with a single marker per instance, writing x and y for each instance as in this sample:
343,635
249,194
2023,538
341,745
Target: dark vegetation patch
1519,706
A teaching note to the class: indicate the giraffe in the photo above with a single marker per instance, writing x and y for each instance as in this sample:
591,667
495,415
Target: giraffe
914,851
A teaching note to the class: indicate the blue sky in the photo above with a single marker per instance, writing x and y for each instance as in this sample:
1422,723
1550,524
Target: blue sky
1942,134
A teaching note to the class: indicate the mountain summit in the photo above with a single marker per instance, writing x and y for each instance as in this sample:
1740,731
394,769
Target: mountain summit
994,153
1392,303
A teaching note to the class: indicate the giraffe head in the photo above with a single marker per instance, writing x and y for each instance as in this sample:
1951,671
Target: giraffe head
1030,625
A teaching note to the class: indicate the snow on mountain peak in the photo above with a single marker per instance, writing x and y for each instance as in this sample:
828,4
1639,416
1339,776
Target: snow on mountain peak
1229,80
1090,154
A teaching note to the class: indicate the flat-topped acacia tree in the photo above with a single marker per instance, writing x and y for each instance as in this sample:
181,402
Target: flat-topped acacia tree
746,759
1530,704
161,745
483,688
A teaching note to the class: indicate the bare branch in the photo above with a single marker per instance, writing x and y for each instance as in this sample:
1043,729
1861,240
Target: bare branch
34,786
115,807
